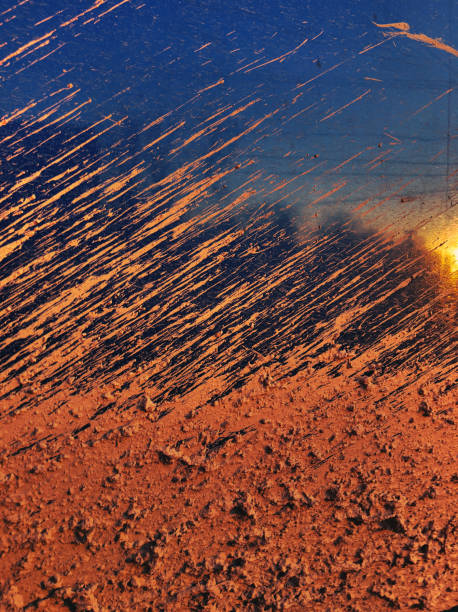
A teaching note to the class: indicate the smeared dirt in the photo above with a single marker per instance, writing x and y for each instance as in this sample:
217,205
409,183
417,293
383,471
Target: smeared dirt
227,361
315,492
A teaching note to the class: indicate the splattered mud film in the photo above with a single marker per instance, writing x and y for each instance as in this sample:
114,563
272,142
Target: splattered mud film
228,280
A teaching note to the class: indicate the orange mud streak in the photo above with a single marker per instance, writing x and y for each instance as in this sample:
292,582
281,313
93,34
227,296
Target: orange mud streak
405,31
113,8
280,58
219,82
48,18
96,5
40,59
25,47
432,102
387,198
327,194
150,265
347,161
300,85
346,105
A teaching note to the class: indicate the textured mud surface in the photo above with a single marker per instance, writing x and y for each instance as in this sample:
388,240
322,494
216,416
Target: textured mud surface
228,280
309,493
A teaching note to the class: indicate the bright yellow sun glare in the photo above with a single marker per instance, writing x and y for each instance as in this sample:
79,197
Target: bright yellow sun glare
454,264
449,256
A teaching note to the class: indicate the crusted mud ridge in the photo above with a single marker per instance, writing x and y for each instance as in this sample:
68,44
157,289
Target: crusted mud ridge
313,492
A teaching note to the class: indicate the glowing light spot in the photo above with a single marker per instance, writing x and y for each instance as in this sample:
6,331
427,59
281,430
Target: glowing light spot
454,262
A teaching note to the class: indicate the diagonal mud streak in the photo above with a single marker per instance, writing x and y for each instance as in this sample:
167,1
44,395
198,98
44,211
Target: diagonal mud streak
140,263
105,271
73,320
157,337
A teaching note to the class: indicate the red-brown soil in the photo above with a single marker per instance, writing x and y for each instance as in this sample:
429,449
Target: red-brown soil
307,493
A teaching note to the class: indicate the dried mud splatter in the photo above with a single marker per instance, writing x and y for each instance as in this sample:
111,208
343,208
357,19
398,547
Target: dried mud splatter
174,311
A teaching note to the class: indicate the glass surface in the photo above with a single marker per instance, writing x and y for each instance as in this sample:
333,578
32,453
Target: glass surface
190,190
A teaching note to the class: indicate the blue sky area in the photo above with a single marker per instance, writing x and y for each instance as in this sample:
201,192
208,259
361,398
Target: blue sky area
143,60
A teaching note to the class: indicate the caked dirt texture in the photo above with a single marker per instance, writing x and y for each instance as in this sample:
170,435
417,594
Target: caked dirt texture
313,492
227,301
